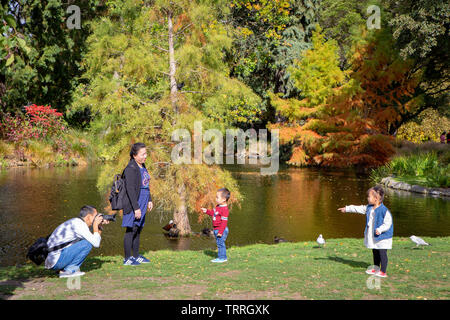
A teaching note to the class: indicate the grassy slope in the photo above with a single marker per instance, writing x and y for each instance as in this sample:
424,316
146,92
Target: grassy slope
283,271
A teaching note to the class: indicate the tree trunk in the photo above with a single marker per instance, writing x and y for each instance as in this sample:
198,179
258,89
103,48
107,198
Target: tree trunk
180,216
172,67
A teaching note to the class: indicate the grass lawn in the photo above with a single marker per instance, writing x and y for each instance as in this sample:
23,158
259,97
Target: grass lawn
296,271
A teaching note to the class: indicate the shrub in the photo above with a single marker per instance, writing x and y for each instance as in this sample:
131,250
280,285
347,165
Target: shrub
39,122
429,127
422,168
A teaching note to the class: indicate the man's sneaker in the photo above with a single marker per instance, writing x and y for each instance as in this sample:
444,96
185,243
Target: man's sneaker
131,261
381,274
217,260
142,259
373,271
70,273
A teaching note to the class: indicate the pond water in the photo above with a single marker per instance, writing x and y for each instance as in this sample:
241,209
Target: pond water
297,204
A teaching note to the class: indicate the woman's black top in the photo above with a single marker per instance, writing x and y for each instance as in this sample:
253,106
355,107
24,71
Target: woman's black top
133,183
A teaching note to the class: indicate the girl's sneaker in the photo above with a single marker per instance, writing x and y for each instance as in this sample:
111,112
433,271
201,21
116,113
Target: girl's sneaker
373,271
131,261
142,259
381,274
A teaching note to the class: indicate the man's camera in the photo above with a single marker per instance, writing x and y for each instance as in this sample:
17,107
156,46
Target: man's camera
105,217
109,217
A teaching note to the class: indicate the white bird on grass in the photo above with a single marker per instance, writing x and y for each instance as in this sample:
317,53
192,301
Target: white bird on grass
320,240
418,241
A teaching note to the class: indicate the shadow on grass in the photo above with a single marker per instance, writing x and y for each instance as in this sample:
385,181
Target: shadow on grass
352,263
16,277
210,253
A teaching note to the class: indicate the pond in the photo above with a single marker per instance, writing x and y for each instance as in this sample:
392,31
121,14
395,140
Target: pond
297,204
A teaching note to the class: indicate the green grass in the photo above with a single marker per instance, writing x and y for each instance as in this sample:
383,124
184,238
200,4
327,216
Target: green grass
283,271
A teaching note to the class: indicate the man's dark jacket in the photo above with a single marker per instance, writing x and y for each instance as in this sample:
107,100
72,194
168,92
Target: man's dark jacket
133,182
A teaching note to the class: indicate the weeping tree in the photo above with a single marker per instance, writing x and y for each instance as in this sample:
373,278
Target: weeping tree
154,67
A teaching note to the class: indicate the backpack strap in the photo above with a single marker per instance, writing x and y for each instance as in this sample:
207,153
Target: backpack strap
63,245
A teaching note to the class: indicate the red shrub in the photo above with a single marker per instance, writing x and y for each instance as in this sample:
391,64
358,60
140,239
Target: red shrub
39,122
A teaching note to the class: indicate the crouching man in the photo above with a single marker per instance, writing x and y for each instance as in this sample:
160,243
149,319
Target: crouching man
76,232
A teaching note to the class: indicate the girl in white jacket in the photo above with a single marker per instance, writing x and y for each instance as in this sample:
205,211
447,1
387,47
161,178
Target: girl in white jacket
379,228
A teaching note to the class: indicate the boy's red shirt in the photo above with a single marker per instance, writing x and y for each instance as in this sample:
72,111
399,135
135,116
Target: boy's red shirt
220,217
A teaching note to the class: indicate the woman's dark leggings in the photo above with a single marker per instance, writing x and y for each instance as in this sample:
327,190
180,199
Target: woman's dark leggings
380,257
131,241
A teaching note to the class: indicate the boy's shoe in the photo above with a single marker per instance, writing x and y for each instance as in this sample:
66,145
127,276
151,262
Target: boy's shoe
217,260
381,274
373,271
131,261
142,259
70,273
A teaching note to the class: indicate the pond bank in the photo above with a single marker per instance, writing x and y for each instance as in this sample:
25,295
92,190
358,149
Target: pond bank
296,271
392,183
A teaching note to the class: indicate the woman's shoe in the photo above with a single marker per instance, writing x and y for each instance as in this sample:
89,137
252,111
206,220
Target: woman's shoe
131,261
142,259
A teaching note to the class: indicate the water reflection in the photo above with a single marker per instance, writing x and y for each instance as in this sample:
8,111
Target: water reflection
296,204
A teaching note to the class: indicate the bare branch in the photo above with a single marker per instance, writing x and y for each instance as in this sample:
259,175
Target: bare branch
182,29
162,49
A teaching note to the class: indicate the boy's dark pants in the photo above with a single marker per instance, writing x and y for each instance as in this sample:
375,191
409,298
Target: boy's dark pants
380,257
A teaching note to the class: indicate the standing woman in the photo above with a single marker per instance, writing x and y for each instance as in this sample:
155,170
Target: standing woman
137,183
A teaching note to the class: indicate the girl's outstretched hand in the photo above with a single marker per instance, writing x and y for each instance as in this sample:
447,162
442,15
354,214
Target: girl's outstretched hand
203,210
342,210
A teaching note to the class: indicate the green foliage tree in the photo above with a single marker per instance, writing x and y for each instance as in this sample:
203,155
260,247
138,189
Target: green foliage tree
268,36
153,67
421,31
40,55
341,20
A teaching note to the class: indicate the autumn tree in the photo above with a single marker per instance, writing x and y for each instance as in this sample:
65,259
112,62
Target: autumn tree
154,67
327,127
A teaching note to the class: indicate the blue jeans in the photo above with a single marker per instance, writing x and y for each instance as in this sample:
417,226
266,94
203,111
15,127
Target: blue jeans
221,243
73,256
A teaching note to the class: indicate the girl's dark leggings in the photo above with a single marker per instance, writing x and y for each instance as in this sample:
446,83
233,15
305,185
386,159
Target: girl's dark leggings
380,257
131,241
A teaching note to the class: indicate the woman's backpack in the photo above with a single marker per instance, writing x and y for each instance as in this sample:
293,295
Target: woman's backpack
118,193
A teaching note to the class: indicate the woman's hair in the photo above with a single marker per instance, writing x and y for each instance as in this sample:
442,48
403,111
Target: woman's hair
378,190
135,149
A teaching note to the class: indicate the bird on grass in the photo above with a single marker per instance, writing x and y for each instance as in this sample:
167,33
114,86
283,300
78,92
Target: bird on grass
320,240
419,241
